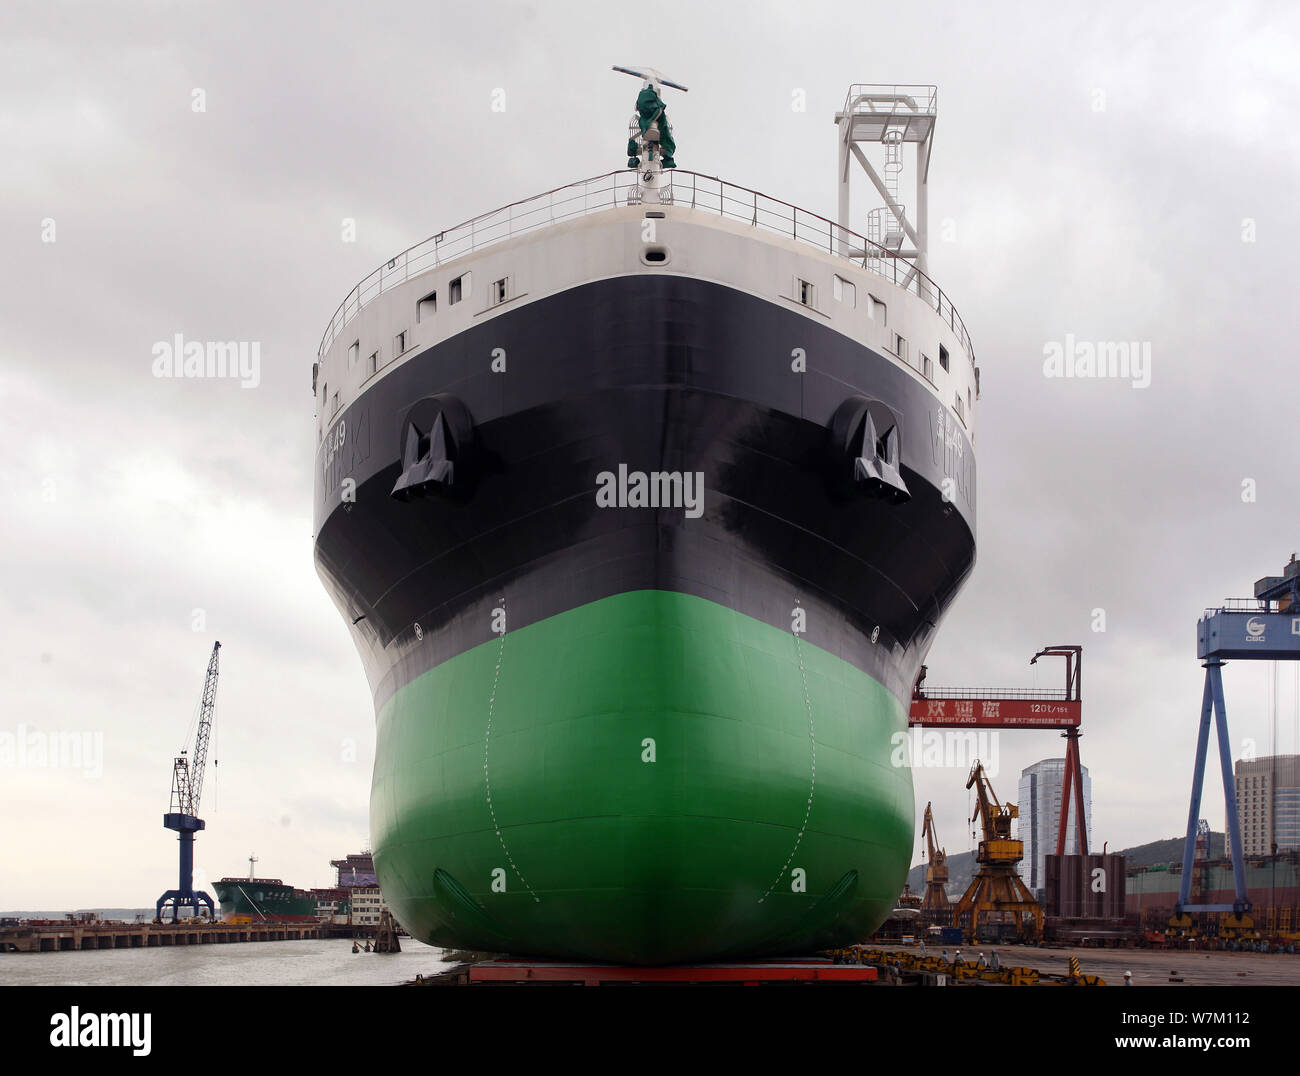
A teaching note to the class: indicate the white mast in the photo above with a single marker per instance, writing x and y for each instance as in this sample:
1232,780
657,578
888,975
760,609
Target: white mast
891,116
654,186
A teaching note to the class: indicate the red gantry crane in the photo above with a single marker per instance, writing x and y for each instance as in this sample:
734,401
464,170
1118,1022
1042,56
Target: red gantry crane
997,887
1019,708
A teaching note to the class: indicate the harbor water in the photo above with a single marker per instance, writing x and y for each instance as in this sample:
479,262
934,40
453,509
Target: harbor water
323,962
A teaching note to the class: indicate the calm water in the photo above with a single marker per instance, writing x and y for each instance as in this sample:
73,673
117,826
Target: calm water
328,962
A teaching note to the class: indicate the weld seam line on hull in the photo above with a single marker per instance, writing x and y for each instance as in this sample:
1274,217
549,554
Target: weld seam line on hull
487,781
812,786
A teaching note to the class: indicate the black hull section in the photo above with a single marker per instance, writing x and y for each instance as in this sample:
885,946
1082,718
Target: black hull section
658,373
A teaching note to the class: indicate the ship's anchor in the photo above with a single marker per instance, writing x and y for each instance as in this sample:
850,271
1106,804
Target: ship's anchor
868,430
436,437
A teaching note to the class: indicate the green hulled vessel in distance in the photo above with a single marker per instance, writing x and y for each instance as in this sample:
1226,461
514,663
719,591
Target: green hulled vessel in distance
259,899
643,500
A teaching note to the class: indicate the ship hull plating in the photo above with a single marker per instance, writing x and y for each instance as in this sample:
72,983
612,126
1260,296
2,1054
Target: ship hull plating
641,733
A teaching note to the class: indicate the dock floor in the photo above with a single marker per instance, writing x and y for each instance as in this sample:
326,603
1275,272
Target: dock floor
1150,967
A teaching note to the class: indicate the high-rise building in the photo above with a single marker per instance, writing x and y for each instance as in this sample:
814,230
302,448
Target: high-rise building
1268,803
1040,813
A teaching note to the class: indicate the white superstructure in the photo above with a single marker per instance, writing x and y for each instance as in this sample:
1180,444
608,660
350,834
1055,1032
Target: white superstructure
587,231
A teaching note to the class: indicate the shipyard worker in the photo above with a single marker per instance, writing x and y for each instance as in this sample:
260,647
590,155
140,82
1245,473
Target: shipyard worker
982,962
1128,978
945,954
994,962
957,957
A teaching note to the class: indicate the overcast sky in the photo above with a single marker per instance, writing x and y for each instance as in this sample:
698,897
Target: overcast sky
1128,174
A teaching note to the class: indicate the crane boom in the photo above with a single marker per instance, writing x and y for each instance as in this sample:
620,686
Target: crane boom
995,819
206,710
933,851
188,770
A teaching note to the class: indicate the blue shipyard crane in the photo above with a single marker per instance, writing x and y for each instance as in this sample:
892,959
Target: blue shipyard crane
1262,628
187,790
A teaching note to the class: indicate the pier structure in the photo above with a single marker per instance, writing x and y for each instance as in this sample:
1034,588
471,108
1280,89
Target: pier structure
50,936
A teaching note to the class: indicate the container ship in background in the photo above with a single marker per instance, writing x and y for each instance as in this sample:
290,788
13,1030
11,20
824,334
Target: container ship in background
261,899
643,500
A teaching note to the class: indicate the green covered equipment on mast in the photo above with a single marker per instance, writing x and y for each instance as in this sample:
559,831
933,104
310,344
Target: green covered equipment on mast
650,107
651,112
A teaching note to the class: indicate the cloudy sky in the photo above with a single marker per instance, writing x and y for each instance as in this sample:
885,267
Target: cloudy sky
1127,174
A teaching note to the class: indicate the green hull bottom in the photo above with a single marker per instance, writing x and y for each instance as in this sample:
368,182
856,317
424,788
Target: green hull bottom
648,779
